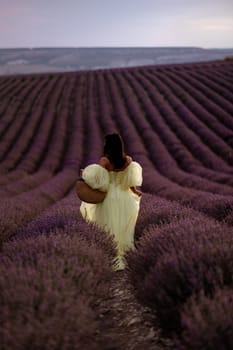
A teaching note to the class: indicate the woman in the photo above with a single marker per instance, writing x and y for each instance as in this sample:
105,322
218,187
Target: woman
117,175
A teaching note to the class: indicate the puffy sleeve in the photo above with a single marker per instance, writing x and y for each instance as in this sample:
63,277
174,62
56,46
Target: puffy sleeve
133,175
96,177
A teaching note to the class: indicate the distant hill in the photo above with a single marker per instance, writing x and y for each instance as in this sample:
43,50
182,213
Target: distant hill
38,60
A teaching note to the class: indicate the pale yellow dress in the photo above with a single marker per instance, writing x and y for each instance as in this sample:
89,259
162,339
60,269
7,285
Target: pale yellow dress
118,213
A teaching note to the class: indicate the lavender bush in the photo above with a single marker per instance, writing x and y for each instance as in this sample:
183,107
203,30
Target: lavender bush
177,260
207,323
49,289
64,218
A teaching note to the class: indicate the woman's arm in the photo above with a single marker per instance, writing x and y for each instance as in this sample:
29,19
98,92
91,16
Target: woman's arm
136,191
88,194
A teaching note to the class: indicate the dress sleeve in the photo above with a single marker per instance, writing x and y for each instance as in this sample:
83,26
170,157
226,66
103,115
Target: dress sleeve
96,177
133,175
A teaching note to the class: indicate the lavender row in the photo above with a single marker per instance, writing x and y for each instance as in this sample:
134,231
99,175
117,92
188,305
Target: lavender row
74,154
52,157
163,160
19,176
28,182
58,282
64,215
9,96
23,143
4,84
93,135
176,145
12,124
207,320
200,150
188,136
203,171
216,84
24,183
219,86
18,211
180,255
11,177
210,104
221,96
200,118
38,144
105,108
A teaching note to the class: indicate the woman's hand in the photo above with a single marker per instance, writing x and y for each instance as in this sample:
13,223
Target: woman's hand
136,191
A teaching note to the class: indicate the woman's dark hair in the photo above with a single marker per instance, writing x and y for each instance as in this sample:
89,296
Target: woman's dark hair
114,150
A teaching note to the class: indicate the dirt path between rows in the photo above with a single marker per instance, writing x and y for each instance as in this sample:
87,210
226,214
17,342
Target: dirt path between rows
122,317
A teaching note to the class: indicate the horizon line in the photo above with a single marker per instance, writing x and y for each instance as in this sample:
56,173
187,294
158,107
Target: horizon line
113,47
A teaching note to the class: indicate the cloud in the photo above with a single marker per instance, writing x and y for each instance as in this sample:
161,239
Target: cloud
219,24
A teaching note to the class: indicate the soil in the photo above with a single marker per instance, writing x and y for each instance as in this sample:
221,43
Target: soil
127,323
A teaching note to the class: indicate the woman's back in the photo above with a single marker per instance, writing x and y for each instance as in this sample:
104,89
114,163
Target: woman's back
117,214
117,175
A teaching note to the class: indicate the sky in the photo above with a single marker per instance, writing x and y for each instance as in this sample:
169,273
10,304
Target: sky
116,23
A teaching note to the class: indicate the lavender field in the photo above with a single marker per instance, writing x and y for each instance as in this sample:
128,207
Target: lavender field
57,287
